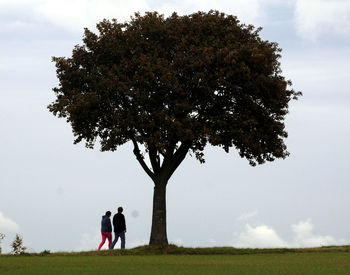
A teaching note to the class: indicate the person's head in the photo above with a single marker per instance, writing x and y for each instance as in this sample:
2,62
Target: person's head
108,213
120,209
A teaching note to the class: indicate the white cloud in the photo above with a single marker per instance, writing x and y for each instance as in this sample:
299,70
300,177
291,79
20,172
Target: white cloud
6,224
247,216
314,17
263,236
304,236
259,237
77,14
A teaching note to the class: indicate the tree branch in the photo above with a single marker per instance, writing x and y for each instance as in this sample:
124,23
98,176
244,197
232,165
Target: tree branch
154,158
172,162
141,161
168,156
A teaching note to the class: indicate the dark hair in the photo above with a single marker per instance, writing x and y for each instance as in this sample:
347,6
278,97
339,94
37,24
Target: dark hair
108,213
120,209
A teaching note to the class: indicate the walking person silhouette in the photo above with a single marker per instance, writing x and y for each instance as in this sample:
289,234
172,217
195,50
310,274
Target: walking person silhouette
119,228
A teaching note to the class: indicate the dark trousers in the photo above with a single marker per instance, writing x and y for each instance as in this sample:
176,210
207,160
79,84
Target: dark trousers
116,237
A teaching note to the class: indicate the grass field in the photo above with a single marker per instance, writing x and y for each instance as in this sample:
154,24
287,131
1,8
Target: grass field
316,261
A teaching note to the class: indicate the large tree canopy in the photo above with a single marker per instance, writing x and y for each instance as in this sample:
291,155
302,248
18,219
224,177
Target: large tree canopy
174,85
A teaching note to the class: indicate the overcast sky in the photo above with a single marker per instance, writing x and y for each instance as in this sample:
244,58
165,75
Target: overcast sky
54,193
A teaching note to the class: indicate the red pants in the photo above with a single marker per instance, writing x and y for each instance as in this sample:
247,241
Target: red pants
105,235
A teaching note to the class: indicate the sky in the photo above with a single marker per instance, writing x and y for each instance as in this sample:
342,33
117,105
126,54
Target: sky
53,193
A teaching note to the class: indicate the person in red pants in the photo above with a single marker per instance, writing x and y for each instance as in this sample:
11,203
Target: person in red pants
106,229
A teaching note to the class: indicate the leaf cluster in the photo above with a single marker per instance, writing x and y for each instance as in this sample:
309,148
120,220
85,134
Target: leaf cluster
161,82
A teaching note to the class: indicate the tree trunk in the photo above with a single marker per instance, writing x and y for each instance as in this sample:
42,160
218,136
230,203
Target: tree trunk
158,231
160,176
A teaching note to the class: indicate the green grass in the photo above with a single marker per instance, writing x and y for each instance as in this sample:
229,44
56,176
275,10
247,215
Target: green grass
151,260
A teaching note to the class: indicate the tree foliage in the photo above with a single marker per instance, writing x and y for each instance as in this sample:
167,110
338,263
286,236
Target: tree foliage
196,79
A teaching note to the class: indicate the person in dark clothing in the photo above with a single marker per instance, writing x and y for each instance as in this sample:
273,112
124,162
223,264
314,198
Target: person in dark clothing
119,228
106,229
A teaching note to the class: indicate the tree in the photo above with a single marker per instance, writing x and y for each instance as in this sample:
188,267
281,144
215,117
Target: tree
17,245
2,236
171,86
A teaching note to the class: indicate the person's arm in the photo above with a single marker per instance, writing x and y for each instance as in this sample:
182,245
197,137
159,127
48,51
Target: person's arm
109,225
115,221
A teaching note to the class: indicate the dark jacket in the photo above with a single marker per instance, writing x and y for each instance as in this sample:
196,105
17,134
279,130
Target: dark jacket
106,225
119,223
